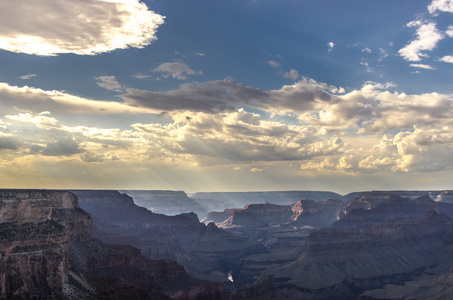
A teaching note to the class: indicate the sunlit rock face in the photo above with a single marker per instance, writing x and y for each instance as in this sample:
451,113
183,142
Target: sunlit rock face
218,201
34,245
48,252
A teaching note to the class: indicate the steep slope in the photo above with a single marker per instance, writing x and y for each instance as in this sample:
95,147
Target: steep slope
161,279
434,288
316,214
48,253
393,208
302,213
206,251
33,242
343,262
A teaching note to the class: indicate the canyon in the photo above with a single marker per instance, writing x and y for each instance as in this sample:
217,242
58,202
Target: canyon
105,244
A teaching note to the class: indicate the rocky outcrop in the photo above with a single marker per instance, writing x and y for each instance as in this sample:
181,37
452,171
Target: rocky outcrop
316,214
343,262
36,226
394,208
218,201
47,252
302,213
34,259
369,200
206,251
444,196
169,203
260,215
161,279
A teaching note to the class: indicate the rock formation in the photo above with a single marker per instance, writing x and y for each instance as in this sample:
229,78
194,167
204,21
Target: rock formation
391,208
369,200
219,201
47,252
34,245
169,203
206,251
341,263
302,213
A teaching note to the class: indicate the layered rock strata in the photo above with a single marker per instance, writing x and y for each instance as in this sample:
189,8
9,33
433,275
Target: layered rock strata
206,251
218,201
34,244
343,262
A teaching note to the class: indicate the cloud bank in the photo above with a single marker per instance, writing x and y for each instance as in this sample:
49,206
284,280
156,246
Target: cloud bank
88,27
309,124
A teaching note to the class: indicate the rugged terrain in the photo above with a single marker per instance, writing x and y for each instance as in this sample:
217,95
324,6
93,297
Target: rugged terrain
218,201
206,251
396,241
48,252
367,245
166,202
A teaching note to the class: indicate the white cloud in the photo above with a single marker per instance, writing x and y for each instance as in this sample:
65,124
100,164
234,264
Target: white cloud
440,5
367,50
383,54
31,99
313,126
418,151
449,31
291,74
427,38
141,76
422,66
330,45
368,68
28,76
109,83
273,63
82,27
447,59
175,70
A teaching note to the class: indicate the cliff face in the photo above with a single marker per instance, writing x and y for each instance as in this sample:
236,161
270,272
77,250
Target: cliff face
33,242
261,215
161,279
302,213
316,214
350,260
47,252
393,208
206,251
370,200
220,201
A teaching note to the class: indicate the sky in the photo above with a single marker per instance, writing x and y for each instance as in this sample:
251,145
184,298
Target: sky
237,95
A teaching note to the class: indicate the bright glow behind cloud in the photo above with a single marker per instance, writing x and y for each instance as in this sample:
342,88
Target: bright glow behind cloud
88,27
